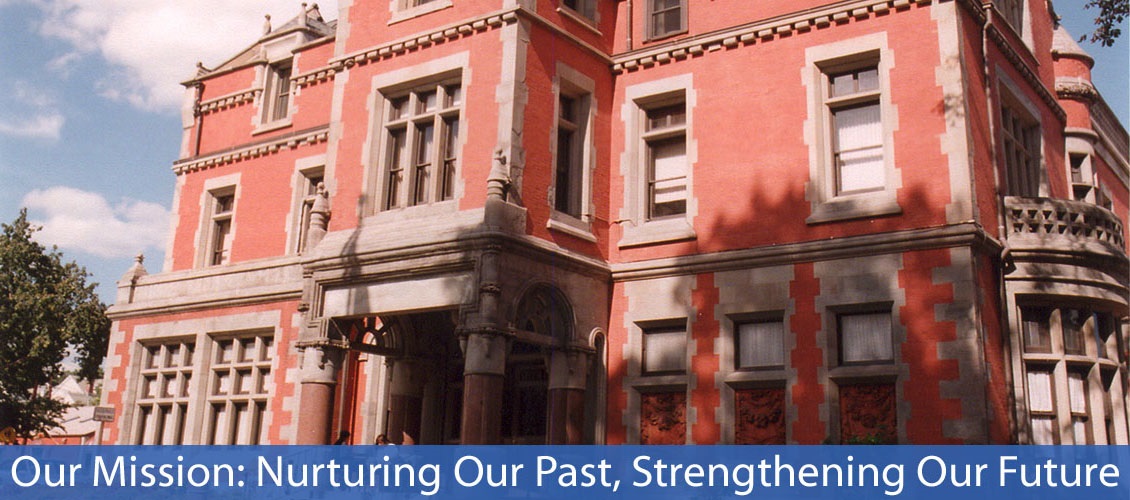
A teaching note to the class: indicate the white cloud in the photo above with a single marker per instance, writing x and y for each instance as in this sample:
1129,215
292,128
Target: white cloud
154,45
27,111
46,126
83,221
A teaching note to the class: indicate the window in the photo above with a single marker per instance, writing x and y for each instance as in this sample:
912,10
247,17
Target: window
162,397
1021,148
586,8
664,350
665,139
1041,406
276,93
1013,12
240,384
1036,323
220,238
666,18
572,135
865,338
1071,357
760,345
309,193
421,145
857,131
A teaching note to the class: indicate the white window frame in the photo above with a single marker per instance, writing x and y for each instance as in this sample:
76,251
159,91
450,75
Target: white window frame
449,70
827,202
218,216
161,369
403,10
1020,130
649,17
638,227
575,85
256,400
278,93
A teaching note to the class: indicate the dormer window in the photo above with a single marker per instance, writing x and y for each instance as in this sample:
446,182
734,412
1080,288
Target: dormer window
276,91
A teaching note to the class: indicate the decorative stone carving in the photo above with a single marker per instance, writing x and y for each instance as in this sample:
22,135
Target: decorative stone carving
867,414
663,418
760,416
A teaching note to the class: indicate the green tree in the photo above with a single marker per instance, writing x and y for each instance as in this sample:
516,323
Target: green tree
45,306
1111,15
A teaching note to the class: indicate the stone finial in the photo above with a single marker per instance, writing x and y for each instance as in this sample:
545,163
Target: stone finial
319,217
315,12
267,24
137,270
499,179
302,15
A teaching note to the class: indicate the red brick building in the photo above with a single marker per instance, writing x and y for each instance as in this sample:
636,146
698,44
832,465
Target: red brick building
639,221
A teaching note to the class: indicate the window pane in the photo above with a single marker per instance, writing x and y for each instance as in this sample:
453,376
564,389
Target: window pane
859,148
1043,430
665,350
1073,321
1035,323
669,170
1040,392
761,344
1077,387
865,338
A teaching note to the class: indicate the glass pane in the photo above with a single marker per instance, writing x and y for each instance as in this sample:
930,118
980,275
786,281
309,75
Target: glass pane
1073,321
225,351
167,389
152,356
1079,429
189,350
220,424
143,424
761,344
263,383
427,102
1035,324
424,138
223,383
184,383
454,96
1043,430
1077,388
149,387
665,350
247,350
172,355
398,108
865,338
1040,391
265,351
868,79
859,148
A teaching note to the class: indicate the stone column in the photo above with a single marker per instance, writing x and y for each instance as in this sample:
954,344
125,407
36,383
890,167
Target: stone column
406,396
567,371
483,377
318,378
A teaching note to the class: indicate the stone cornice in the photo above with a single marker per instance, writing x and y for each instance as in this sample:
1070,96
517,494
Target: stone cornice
759,32
231,100
263,148
1075,89
1014,58
402,46
954,235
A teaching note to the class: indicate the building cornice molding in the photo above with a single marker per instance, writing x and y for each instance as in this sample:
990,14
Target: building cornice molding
965,234
231,100
246,283
759,32
267,147
486,22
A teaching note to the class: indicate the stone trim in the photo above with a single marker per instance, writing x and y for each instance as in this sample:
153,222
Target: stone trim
271,146
1030,77
231,100
763,31
963,234
402,46
1076,89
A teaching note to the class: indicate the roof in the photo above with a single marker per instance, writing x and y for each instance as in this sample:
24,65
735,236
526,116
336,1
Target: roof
309,21
1064,45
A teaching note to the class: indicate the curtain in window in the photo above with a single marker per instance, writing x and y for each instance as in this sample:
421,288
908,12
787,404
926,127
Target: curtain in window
670,169
865,337
859,148
1077,388
760,344
1040,401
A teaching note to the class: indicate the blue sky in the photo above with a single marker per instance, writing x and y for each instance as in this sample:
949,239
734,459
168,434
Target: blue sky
90,111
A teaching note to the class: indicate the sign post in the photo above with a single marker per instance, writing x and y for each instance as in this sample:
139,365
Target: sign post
102,414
